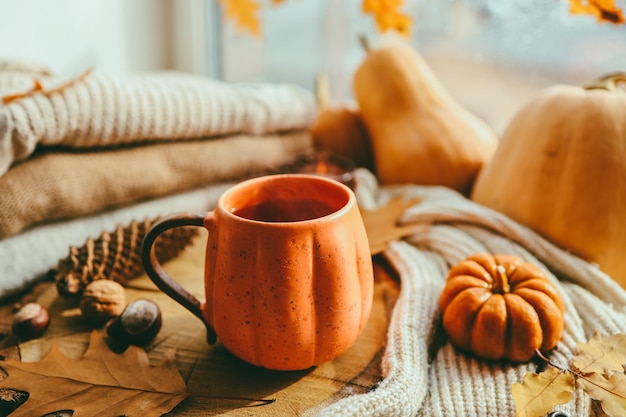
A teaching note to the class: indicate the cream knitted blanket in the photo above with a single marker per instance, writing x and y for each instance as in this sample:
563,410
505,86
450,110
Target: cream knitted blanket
107,110
451,383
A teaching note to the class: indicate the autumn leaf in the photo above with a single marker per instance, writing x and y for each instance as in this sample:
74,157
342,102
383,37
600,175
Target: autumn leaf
598,368
382,226
538,393
101,383
611,392
39,89
603,10
244,13
387,15
601,354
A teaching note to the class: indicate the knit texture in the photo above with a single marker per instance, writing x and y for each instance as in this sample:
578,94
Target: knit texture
27,257
56,185
451,383
106,110
18,76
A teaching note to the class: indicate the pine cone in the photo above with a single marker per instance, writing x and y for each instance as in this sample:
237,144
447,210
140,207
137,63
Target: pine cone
116,256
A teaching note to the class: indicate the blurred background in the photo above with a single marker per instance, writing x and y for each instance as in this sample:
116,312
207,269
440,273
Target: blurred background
490,54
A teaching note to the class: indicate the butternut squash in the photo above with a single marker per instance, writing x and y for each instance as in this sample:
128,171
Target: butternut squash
419,134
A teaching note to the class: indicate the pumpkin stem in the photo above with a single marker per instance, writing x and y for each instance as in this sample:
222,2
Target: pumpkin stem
502,281
607,82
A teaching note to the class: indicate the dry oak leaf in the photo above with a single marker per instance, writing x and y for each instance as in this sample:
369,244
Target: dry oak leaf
611,392
382,225
603,10
601,354
538,393
101,383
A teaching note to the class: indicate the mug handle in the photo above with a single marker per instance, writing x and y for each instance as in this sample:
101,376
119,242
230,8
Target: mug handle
157,274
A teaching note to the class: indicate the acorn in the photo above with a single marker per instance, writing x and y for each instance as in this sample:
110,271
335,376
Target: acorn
30,321
138,324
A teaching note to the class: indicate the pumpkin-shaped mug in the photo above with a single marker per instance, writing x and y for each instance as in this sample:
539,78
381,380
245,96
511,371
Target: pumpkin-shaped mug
288,270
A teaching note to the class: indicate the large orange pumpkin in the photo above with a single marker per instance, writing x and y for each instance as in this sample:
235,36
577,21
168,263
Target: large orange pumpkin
560,170
500,307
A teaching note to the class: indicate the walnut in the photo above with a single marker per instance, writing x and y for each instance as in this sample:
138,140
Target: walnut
102,300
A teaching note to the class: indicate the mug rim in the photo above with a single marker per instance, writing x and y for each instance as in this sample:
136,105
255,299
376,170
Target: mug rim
351,198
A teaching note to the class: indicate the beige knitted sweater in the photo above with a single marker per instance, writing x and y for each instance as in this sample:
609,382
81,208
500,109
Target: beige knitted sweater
453,384
97,109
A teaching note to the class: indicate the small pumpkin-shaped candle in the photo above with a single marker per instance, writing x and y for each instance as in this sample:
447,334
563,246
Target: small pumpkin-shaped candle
499,307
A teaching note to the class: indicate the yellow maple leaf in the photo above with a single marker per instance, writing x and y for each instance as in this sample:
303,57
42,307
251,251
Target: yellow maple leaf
603,10
244,13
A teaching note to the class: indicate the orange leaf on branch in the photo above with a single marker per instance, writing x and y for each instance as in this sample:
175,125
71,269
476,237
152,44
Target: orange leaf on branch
244,13
387,15
603,10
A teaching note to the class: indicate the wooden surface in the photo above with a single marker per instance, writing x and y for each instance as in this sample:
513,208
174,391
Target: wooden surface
219,383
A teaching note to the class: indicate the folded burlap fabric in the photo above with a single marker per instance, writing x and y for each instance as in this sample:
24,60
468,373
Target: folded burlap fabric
27,257
55,185
451,383
104,110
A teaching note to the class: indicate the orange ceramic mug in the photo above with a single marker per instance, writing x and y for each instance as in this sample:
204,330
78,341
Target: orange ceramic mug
288,271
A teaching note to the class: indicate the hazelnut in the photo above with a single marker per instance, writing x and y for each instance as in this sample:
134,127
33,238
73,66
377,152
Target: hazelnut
138,324
102,300
30,321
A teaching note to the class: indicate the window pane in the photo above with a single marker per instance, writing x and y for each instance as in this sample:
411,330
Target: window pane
492,55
